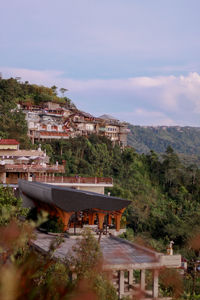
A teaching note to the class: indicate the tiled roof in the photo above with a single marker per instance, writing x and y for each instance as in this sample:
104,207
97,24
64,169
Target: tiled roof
8,142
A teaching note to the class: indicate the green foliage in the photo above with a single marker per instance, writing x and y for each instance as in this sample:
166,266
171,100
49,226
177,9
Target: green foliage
12,120
13,91
165,193
53,224
86,255
86,261
25,274
184,140
10,206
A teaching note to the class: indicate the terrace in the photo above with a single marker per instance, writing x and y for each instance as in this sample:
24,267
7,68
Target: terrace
32,168
75,180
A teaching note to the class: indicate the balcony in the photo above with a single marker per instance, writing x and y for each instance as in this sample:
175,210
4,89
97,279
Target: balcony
75,180
23,168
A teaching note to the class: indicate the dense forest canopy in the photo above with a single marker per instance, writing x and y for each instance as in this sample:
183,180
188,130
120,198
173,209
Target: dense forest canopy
165,194
184,140
12,91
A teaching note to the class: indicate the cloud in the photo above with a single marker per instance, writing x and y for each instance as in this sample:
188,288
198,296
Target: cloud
149,100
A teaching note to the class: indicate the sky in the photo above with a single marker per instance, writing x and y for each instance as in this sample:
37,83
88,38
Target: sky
137,60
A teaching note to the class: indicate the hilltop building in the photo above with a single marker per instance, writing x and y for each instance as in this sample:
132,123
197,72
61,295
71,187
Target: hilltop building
53,121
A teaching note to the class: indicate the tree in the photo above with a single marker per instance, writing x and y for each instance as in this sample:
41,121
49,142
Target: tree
63,90
54,89
10,206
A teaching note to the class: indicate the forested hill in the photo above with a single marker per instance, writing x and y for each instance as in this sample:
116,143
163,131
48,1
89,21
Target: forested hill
13,92
184,140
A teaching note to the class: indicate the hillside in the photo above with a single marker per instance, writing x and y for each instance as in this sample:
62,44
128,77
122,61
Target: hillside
165,193
14,92
184,140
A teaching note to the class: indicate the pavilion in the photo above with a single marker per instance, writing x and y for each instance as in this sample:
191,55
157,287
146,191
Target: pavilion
71,205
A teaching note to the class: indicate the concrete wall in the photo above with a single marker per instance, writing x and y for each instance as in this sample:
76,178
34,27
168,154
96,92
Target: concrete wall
9,147
95,189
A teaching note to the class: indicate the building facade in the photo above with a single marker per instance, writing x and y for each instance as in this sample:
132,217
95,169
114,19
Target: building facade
52,121
33,165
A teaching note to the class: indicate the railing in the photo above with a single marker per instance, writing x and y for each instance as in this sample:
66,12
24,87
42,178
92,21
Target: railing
74,180
33,168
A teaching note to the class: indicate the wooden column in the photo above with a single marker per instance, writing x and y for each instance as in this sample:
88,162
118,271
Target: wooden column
101,219
155,284
117,221
65,216
109,219
85,217
92,218
118,218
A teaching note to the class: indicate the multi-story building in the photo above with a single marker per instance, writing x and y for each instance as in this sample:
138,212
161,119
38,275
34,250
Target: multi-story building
23,164
115,130
53,121
45,125
33,165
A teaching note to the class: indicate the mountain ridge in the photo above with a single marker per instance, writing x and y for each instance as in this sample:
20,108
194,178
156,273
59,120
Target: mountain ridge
184,140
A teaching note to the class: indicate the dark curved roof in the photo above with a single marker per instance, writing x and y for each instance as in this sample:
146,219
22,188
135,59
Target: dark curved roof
69,199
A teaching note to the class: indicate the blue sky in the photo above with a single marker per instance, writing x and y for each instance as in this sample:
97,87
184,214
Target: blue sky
138,60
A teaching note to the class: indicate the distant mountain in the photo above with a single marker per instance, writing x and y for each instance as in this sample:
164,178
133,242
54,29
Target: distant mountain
107,117
184,140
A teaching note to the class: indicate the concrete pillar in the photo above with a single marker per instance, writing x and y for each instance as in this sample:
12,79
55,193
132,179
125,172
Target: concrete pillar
142,280
130,277
155,284
121,284
53,177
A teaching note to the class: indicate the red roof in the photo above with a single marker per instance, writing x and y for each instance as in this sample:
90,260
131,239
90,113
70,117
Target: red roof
8,142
